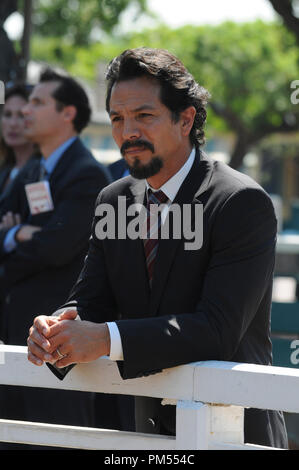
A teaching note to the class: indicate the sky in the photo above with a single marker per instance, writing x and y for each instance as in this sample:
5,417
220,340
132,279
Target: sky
176,13
179,12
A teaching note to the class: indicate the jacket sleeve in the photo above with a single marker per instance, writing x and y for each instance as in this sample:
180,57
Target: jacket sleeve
10,203
92,294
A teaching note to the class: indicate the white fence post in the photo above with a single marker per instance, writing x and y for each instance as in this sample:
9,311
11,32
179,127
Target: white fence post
201,425
227,425
192,425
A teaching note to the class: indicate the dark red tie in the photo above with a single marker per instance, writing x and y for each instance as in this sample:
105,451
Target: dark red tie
153,226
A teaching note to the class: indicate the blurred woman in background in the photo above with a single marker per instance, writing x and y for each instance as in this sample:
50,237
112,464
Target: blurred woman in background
15,149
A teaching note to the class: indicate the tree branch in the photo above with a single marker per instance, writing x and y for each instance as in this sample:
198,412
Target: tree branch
285,9
229,116
245,138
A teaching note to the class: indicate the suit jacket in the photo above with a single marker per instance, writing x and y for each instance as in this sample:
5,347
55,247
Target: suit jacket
4,174
117,169
39,274
5,191
212,303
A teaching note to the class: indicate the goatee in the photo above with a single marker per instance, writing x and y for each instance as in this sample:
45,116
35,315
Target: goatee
140,171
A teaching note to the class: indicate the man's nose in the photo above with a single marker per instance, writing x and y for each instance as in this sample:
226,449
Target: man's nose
131,130
25,109
14,121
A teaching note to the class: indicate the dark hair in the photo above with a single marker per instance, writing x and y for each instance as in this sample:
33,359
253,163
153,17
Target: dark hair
69,93
179,90
18,89
7,156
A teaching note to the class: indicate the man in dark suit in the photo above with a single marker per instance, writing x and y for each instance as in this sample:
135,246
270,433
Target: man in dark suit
118,169
204,292
41,257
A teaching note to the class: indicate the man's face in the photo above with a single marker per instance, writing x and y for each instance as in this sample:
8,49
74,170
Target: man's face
143,128
12,122
42,120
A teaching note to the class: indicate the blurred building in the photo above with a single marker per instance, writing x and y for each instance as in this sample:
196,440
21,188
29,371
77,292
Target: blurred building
279,169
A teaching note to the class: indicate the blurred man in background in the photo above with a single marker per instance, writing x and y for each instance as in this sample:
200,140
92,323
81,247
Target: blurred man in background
44,239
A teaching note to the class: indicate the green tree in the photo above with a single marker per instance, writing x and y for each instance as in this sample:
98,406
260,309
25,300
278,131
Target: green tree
248,69
77,20
80,61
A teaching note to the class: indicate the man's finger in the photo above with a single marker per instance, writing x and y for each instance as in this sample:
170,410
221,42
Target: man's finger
56,340
18,219
35,360
36,354
64,362
7,220
68,315
43,323
58,328
38,338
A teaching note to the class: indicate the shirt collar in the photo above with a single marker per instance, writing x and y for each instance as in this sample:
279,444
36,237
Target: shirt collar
55,156
172,186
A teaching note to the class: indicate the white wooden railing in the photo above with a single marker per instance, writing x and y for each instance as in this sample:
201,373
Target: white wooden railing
210,398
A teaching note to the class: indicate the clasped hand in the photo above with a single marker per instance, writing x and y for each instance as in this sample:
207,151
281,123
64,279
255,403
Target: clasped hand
25,232
9,220
77,341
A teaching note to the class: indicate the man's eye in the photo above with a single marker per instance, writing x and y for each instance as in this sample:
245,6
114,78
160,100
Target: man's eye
116,119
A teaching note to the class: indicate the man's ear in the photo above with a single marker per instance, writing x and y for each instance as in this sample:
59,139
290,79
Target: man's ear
69,113
187,120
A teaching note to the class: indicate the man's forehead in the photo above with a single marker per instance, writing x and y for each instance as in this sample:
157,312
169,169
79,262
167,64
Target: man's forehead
135,91
44,90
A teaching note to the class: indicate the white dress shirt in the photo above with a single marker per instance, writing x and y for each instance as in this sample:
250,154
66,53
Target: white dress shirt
170,188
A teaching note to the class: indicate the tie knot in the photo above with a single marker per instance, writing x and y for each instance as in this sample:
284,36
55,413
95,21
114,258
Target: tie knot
157,197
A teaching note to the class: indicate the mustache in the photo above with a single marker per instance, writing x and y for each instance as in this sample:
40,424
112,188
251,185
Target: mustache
136,143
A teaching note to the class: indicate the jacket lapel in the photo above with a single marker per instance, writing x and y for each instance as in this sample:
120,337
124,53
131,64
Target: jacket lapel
64,165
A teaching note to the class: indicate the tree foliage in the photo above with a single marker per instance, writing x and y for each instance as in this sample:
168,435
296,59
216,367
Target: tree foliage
76,20
248,69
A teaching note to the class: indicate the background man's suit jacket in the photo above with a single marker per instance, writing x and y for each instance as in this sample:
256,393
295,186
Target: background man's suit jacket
212,303
117,169
38,275
4,174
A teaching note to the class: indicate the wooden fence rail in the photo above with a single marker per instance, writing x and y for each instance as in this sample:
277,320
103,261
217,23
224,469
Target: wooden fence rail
209,396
